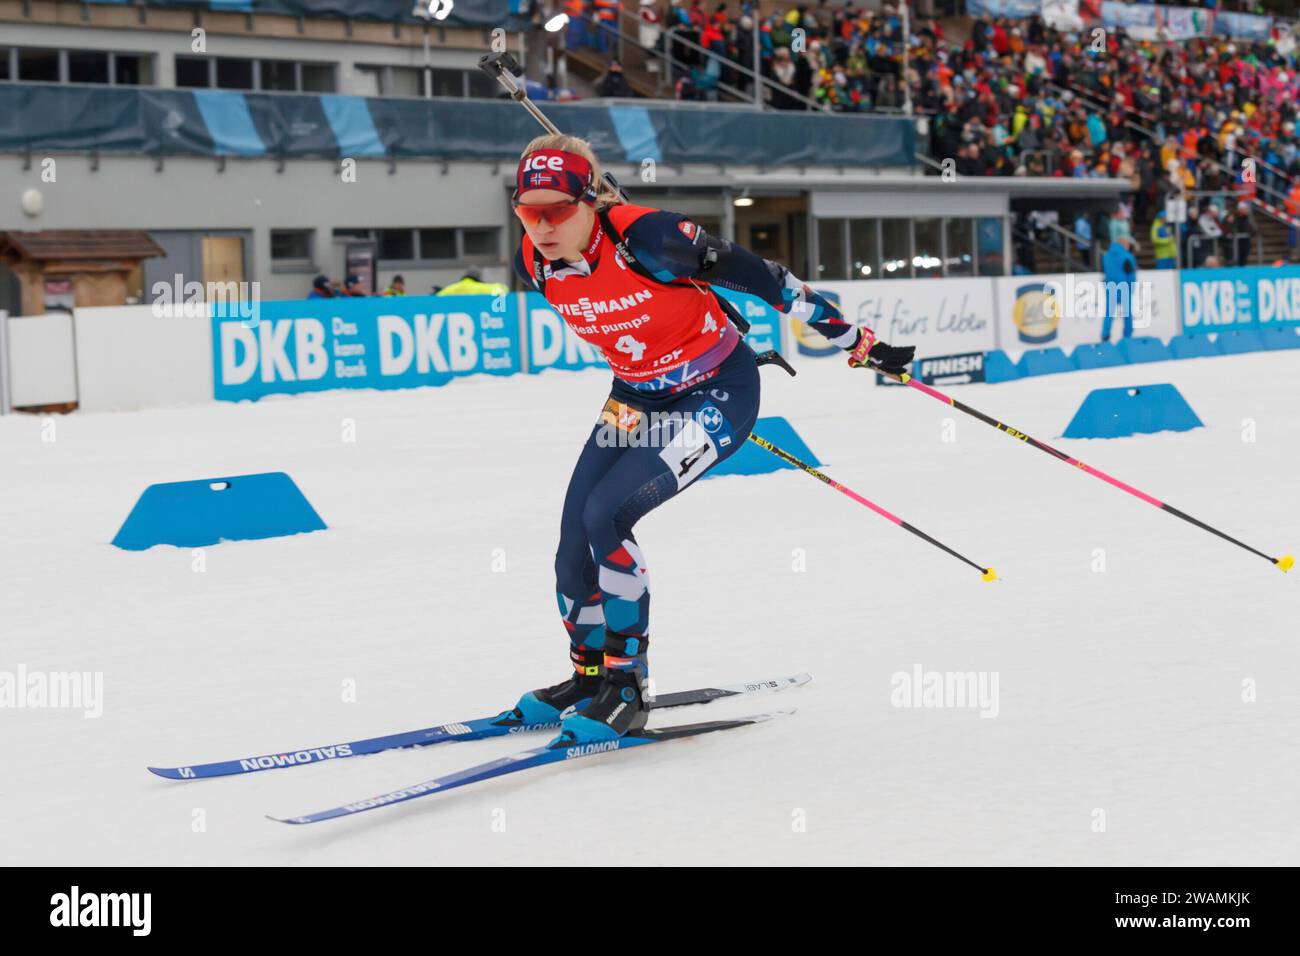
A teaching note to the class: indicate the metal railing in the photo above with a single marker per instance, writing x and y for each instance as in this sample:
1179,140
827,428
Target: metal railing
1060,242
671,37
1218,243
1070,246
1249,192
1100,101
930,162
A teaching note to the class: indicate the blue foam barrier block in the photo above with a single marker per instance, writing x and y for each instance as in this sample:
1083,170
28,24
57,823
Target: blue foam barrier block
192,514
1096,355
1046,361
1240,340
1137,410
1287,337
1193,346
998,367
1144,348
753,460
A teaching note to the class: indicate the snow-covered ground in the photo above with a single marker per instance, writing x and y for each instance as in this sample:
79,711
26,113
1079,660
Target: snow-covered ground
1124,691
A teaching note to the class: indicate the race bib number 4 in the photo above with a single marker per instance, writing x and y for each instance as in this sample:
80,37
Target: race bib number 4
690,453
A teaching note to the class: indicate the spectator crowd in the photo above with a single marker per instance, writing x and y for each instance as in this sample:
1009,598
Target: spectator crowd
1019,98
1207,122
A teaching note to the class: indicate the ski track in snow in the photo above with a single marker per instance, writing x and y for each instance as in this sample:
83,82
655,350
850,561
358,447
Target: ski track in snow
1119,690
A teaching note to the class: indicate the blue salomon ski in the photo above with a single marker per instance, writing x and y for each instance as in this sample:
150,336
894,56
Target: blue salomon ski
527,759
479,729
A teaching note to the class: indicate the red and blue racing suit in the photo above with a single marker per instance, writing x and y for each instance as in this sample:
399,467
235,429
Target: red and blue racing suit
684,397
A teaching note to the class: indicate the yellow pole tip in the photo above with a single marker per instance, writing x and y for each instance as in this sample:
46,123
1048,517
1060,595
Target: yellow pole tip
1286,562
989,575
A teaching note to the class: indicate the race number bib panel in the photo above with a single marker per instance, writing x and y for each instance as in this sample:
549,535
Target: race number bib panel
690,452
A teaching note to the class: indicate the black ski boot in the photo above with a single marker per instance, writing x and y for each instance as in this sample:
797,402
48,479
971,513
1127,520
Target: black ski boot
546,705
619,706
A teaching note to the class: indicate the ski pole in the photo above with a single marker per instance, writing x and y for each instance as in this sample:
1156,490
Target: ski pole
1286,562
986,573
503,68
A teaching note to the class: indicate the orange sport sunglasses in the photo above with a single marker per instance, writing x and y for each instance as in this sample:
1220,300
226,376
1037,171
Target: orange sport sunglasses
553,212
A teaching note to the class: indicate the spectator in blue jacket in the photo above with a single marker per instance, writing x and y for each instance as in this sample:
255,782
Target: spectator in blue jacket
1119,270
1096,130
1083,240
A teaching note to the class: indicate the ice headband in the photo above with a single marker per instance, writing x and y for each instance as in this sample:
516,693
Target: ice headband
555,169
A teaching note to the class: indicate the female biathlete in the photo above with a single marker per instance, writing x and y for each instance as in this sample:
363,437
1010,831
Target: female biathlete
684,397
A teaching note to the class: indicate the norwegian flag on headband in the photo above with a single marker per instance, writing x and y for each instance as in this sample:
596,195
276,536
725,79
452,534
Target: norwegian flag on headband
553,169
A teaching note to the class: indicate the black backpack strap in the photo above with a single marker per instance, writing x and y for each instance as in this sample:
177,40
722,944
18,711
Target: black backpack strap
539,271
730,311
628,255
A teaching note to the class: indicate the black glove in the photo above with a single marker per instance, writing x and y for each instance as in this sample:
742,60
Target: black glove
870,353
893,359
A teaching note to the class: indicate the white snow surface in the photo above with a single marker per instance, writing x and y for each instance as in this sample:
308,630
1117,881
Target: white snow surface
1124,695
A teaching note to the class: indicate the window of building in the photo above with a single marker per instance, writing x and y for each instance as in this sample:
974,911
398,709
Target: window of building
480,242
318,78
482,86
831,251
405,81
390,80
927,247
291,247
278,75
959,251
233,74
374,80
449,82
903,248
291,76
75,66
396,244
132,69
988,242
192,72
895,248
431,244
87,66
437,243
368,81
38,66
864,247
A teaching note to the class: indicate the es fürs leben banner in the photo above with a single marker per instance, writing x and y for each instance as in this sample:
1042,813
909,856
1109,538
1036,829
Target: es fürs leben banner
311,345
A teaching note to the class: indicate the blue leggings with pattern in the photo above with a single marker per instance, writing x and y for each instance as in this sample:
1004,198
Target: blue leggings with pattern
645,449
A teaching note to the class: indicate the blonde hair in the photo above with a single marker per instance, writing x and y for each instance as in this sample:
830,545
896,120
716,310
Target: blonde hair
605,195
